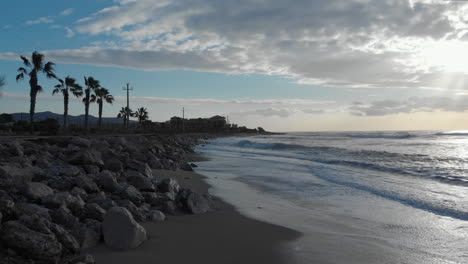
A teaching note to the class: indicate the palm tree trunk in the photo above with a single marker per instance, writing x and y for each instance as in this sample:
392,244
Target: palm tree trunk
86,108
32,109
65,112
100,113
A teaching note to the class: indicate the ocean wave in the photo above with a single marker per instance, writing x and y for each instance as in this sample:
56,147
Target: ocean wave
383,136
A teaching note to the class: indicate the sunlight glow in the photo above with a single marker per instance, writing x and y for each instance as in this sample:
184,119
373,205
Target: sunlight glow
449,56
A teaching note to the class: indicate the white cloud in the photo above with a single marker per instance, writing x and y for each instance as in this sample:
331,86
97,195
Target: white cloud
41,20
67,12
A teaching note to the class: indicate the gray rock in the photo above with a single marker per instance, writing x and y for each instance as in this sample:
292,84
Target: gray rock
107,204
146,171
81,142
169,207
37,190
151,198
89,234
87,184
78,192
36,223
81,259
91,169
114,165
142,183
197,203
30,243
64,217
186,167
61,183
68,242
86,157
31,209
67,171
154,162
74,203
13,178
133,209
121,231
155,216
108,181
169,185
94,211
131,193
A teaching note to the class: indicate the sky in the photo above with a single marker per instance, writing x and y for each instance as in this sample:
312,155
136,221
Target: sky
301,65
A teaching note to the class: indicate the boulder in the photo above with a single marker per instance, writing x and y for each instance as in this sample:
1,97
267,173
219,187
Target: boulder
89,234
81,142
86,157
196,203
69,243
186,167
13,178
131,193
61,183
142,183
37,190
113,165
31,209
87,184
146,170
151,198
121,231
107,204
94,211
91,169
108,181
80,259
169,185
133,209
78,192
74,203
155,216
64,217
30,243
36,223
67,171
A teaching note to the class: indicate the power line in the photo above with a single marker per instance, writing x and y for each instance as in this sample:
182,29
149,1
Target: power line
128,89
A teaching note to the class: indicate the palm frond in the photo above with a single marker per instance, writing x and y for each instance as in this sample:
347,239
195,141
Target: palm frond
109,99
20,77
39,89
38,61
49,67
56,90
93,98
22,70
25,61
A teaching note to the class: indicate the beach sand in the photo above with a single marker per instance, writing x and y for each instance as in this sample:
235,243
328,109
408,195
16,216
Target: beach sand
223,236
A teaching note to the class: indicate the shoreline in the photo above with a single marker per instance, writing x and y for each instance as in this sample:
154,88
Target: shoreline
221,236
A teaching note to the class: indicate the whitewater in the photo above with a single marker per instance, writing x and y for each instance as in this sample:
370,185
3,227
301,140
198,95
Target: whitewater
358,197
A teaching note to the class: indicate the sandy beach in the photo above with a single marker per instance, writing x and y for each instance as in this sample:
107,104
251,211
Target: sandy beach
222,236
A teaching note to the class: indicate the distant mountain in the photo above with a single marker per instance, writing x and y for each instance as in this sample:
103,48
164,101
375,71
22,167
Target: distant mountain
71,119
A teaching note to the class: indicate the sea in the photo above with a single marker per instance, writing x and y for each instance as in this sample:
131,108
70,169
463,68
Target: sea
357,197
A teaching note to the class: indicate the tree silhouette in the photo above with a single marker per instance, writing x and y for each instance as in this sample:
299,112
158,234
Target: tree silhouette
35,66
101,95
142,114
125,113
65,87
2,81
91,86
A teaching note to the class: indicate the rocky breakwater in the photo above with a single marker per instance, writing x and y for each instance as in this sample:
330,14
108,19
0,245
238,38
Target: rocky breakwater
59,196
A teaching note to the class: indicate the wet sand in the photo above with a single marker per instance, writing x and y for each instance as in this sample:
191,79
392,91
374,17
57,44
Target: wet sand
223,236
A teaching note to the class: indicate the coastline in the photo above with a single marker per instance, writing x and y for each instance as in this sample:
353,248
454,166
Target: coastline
221,236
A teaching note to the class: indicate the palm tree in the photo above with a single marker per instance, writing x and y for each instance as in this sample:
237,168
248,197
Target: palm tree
35,67
91,86
2,81
142,114
125,113
101,95
65,87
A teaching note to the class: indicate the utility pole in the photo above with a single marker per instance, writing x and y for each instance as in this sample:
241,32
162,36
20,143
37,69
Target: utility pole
128,89
183,120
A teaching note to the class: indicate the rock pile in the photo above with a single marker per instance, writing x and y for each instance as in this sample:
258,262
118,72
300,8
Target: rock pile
59,196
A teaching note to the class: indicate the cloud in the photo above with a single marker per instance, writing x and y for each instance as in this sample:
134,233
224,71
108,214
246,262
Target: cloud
342,43
69,32
41,20
67,12
410,105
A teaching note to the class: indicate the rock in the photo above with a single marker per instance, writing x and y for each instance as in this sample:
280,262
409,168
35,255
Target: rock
78,192
108,181
30,243
151,198
68,242
81,259
169,207
146,171
15,149
14,178
142,183
169,185
131,193
61,183
154,162
36,223
121,231
156,216
64,217
37,190
94,211
89,234
113,165
196,203
133,209
193,165
31,209
81,142
74,203
107,204
91,169
87,184
67,171
7,207
186,167
86,157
